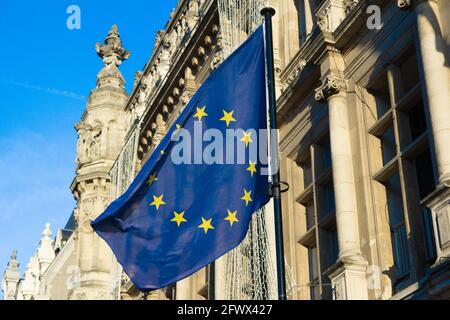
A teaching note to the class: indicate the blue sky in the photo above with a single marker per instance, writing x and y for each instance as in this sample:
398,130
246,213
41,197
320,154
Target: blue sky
46,73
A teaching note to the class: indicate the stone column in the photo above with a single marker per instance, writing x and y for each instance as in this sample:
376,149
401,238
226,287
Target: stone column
436,76
437,81
349,274
183,289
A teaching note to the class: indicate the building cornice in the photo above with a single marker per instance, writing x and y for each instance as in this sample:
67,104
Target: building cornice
193,55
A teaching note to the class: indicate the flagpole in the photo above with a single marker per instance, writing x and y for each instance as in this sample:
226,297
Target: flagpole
268,13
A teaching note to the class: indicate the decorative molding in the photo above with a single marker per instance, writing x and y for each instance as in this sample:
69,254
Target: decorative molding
295,74
349,5
332,85
322,18
404,4
331,13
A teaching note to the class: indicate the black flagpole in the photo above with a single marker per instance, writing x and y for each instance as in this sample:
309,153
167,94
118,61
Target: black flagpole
276,185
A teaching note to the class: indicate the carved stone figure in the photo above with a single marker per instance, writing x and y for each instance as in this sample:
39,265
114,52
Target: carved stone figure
160,130
89,143
137,77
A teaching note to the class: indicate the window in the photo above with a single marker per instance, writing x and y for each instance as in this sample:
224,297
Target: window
313,260
417,122
310,215
307,173
318,200
306,17
406,165
424,173
429,235
388,145
396,220
334,246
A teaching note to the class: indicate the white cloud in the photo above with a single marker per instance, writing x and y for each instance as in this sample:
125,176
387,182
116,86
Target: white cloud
54,91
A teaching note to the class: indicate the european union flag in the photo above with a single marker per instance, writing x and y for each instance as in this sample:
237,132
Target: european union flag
193,199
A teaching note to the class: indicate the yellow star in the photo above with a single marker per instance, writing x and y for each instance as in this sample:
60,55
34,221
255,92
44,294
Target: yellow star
206,225
179,218
200,113
163,152
247,197
228,117
157,201
231,217
252,168
179,126
247,138
152,179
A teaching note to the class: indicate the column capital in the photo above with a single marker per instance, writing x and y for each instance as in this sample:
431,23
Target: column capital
404,4
331,85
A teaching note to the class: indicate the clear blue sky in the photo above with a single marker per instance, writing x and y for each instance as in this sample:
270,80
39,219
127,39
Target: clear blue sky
46,73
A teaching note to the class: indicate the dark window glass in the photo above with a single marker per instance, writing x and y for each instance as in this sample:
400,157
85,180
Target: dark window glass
424,172
401,257
327,154
310,216
314,273
410,72
417,121
429,234
334,246
397,225
329,191
300,5
307,173
388,147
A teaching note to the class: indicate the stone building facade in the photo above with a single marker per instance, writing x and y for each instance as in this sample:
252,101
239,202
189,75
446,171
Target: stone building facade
364,119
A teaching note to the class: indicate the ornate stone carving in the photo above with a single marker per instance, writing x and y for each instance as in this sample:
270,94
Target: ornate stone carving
322,20
331,13
218,54
112,51
137,77
81,296
163,65
11,277
158,38
294,76
331,85
160,130
349,5
89,142
404,4
112,54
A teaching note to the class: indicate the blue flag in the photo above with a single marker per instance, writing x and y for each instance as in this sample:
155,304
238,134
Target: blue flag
194,198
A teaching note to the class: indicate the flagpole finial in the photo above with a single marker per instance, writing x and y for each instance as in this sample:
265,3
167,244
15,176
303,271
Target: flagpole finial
268,11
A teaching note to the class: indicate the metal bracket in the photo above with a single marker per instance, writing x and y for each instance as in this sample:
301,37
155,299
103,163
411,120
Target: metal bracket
282,183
